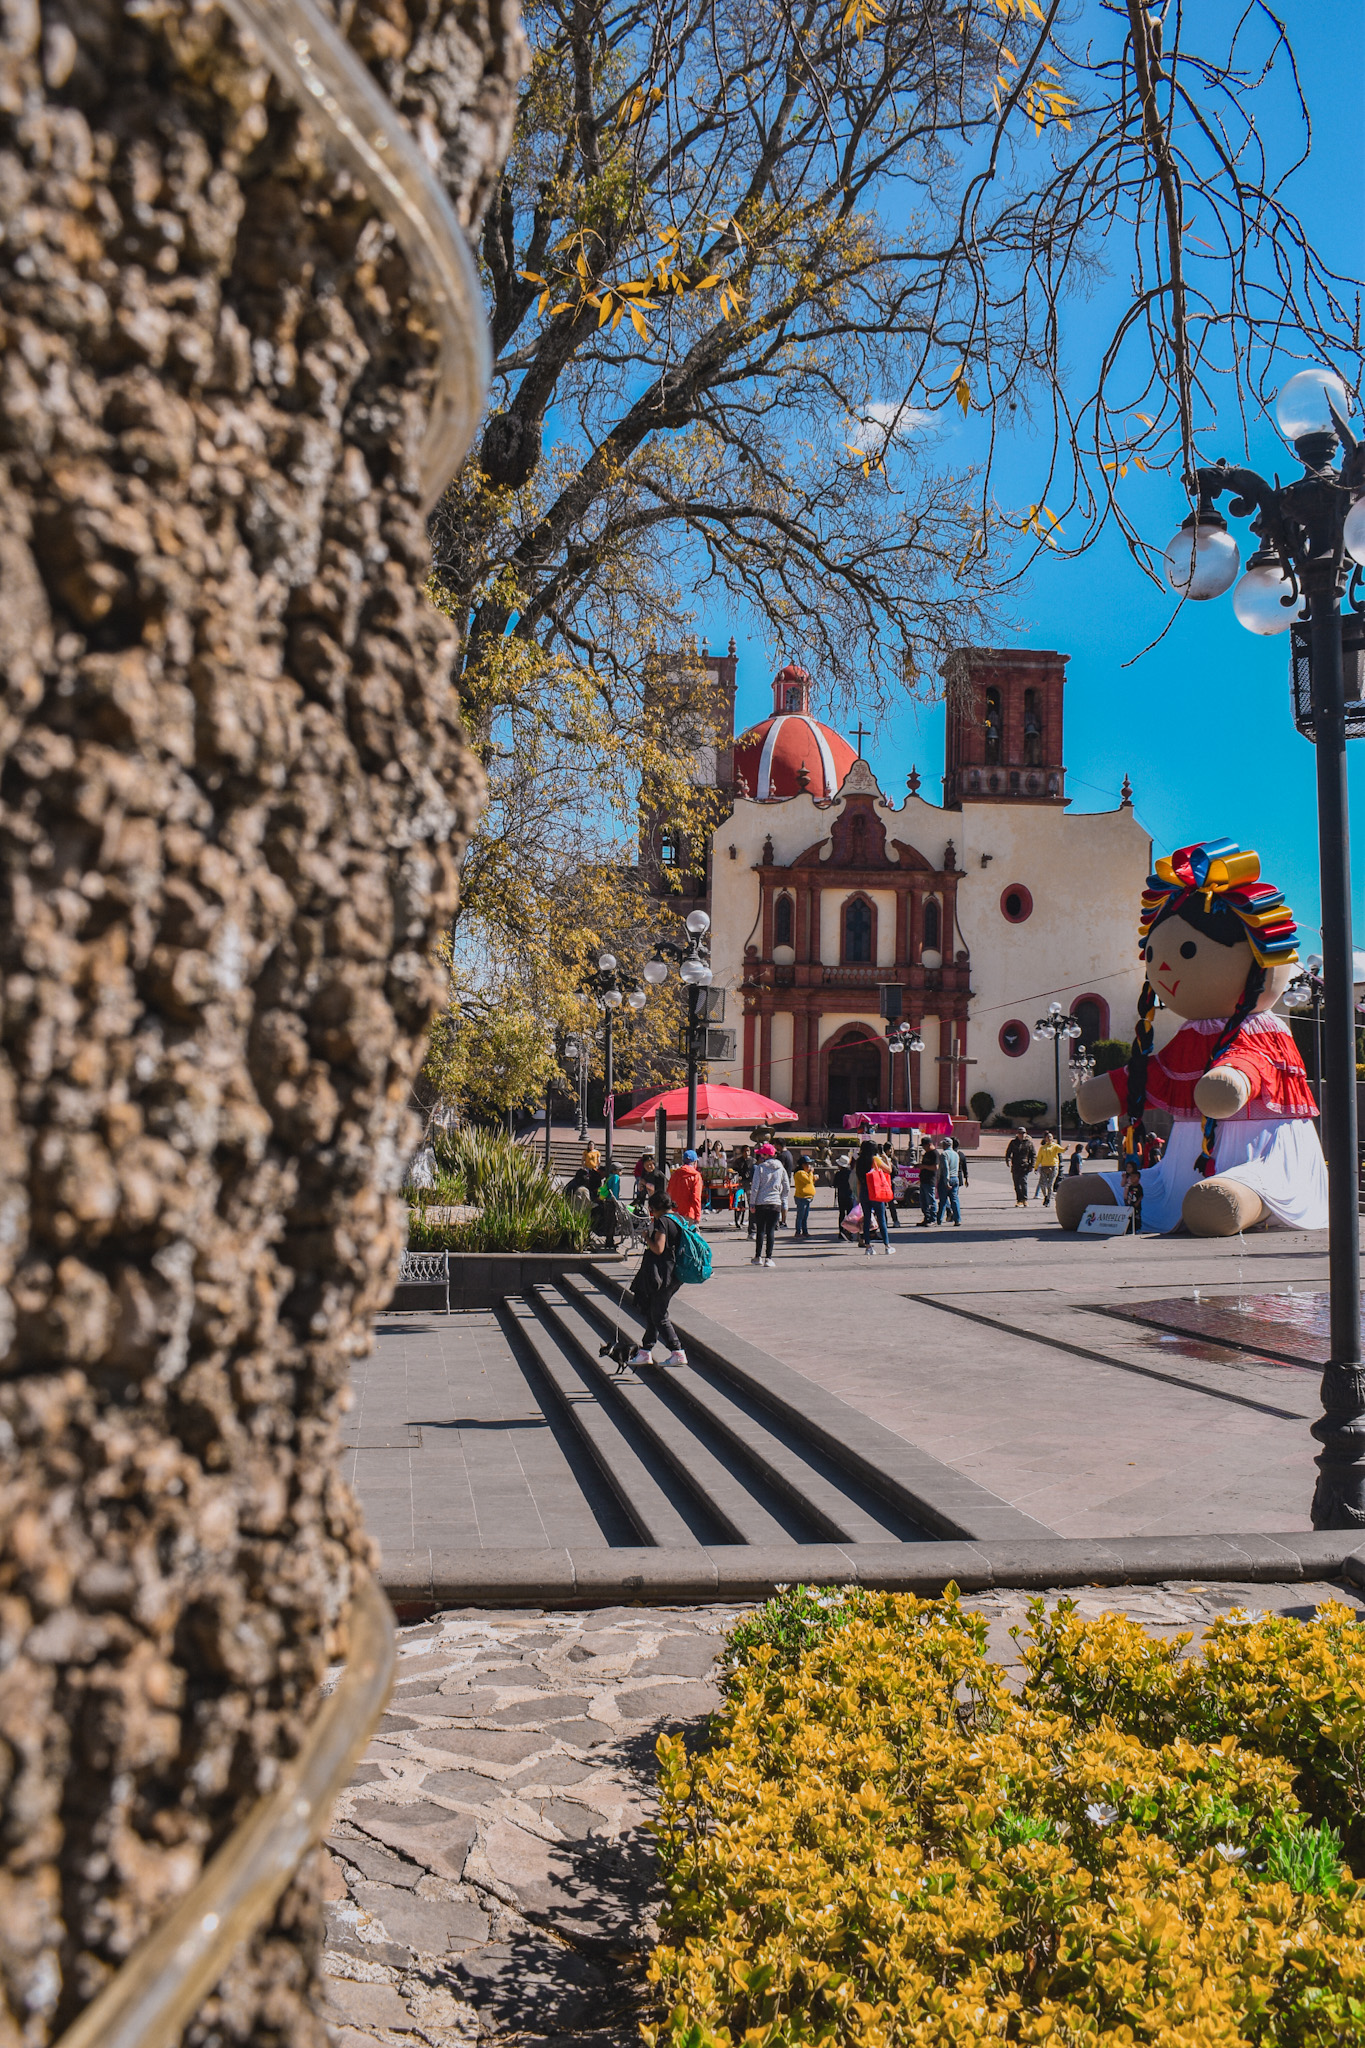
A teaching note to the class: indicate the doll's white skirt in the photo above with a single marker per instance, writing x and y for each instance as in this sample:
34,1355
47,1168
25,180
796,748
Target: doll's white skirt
1281,1161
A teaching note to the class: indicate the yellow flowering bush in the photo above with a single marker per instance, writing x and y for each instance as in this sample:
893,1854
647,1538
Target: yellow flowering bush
883,1846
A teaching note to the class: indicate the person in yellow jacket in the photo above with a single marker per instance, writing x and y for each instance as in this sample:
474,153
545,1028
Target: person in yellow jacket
1048,1161
803,1187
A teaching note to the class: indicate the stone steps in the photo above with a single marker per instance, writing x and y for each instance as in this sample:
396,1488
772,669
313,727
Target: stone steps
786,1458
689,1456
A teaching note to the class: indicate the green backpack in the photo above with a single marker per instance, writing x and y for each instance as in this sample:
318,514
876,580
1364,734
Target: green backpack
694,1255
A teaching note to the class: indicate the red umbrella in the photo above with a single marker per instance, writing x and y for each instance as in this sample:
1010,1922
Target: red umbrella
737,1106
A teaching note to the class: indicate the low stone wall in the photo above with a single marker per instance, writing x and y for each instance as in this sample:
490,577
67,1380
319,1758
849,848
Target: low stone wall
482,1279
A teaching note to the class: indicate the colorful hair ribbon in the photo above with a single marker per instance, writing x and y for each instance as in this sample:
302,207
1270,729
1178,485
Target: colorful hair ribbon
1219,871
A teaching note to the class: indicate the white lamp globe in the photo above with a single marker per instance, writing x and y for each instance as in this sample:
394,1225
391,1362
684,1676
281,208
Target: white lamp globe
1256,600
607,962
694,971
698,922
705,978
612,998
1202,561
1301,407
1353,533
637,998
656,972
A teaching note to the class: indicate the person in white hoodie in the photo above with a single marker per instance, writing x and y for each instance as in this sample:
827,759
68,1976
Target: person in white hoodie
768,1196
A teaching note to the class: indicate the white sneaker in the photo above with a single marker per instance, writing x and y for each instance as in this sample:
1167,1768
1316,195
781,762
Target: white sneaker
676,1358
870,1253
889,1249
642,1358
767,1262
755,1261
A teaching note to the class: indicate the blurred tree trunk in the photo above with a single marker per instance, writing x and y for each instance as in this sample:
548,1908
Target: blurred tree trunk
233,789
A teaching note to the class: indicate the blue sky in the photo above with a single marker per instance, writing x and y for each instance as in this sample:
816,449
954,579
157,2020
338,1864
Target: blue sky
1202,723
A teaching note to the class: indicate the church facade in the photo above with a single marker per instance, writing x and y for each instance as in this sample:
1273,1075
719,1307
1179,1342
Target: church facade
981,911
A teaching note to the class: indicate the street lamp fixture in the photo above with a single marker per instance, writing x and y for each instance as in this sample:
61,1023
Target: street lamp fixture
1312,543
1057,1026
607,989
694,970
904,1039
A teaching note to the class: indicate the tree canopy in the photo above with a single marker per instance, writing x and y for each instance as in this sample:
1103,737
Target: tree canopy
744,257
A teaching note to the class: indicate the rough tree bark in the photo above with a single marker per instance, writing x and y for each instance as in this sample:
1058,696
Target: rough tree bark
233,789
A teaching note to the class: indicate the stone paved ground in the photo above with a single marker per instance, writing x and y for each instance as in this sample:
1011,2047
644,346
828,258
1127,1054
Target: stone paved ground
489,1870
956,1344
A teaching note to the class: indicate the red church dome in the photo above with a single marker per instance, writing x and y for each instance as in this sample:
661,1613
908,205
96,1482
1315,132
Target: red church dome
791,751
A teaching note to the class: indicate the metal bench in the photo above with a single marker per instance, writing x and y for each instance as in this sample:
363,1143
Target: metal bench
426,1269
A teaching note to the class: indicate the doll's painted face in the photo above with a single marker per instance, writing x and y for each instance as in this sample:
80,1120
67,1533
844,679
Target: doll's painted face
1198,977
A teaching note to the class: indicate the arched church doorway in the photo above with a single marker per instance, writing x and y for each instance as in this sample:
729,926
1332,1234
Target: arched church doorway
854,1075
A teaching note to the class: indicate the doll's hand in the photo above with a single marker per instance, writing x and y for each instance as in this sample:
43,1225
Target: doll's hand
1222,1092
1097,1099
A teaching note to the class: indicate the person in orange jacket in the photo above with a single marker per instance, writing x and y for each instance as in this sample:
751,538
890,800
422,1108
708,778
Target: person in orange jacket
684,1188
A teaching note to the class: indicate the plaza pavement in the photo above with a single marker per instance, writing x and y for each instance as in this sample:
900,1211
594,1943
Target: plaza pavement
956,1343
986,1346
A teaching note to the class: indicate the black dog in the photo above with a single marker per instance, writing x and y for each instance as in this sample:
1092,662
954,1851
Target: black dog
620,1351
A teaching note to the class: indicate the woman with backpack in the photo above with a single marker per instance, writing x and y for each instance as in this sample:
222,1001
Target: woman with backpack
768,1196
874,1192
656,1283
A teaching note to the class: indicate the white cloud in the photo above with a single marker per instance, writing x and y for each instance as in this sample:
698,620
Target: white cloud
882,423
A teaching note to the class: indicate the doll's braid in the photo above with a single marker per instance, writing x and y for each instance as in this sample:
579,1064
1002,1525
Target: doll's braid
1255,982
1137,1061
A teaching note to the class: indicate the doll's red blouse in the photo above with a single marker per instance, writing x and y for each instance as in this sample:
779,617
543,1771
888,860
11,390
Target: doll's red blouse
1263,1050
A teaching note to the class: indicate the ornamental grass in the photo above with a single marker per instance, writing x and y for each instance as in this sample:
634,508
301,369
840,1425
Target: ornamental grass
521,1208
882,1845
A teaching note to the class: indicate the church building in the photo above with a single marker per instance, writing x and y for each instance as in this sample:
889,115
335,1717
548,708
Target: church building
825,892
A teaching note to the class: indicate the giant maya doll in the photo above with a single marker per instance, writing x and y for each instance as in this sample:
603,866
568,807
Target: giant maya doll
1219,945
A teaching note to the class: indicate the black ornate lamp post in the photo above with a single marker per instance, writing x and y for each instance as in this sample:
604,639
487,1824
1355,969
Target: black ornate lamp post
608,991
1057,1026
1310,532
694,969
1082,1065
904,1039
576,1049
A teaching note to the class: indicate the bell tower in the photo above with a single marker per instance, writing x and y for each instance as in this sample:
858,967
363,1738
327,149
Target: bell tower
1004,732
690,700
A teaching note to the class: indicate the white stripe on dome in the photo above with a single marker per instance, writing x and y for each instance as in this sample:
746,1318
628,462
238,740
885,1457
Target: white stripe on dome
765,761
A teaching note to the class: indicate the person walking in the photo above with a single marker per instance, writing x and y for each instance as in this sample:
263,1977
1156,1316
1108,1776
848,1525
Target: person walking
874,1191
949,1177
684,1188
1076,1163
771,1188
843,1190
803,1187
1049,1159
1019,1157
656,1283
607,1204
928,1184
961,1163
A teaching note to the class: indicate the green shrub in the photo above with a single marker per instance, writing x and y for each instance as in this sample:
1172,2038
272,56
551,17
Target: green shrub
1026,1109
522,1209
1108,1053
982,1104
881,1846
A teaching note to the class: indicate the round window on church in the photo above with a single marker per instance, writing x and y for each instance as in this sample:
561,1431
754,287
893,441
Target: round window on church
1016,904
1014,1038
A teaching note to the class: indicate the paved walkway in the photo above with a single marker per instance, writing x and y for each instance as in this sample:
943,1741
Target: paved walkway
489,1872
957,1342
986,1346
